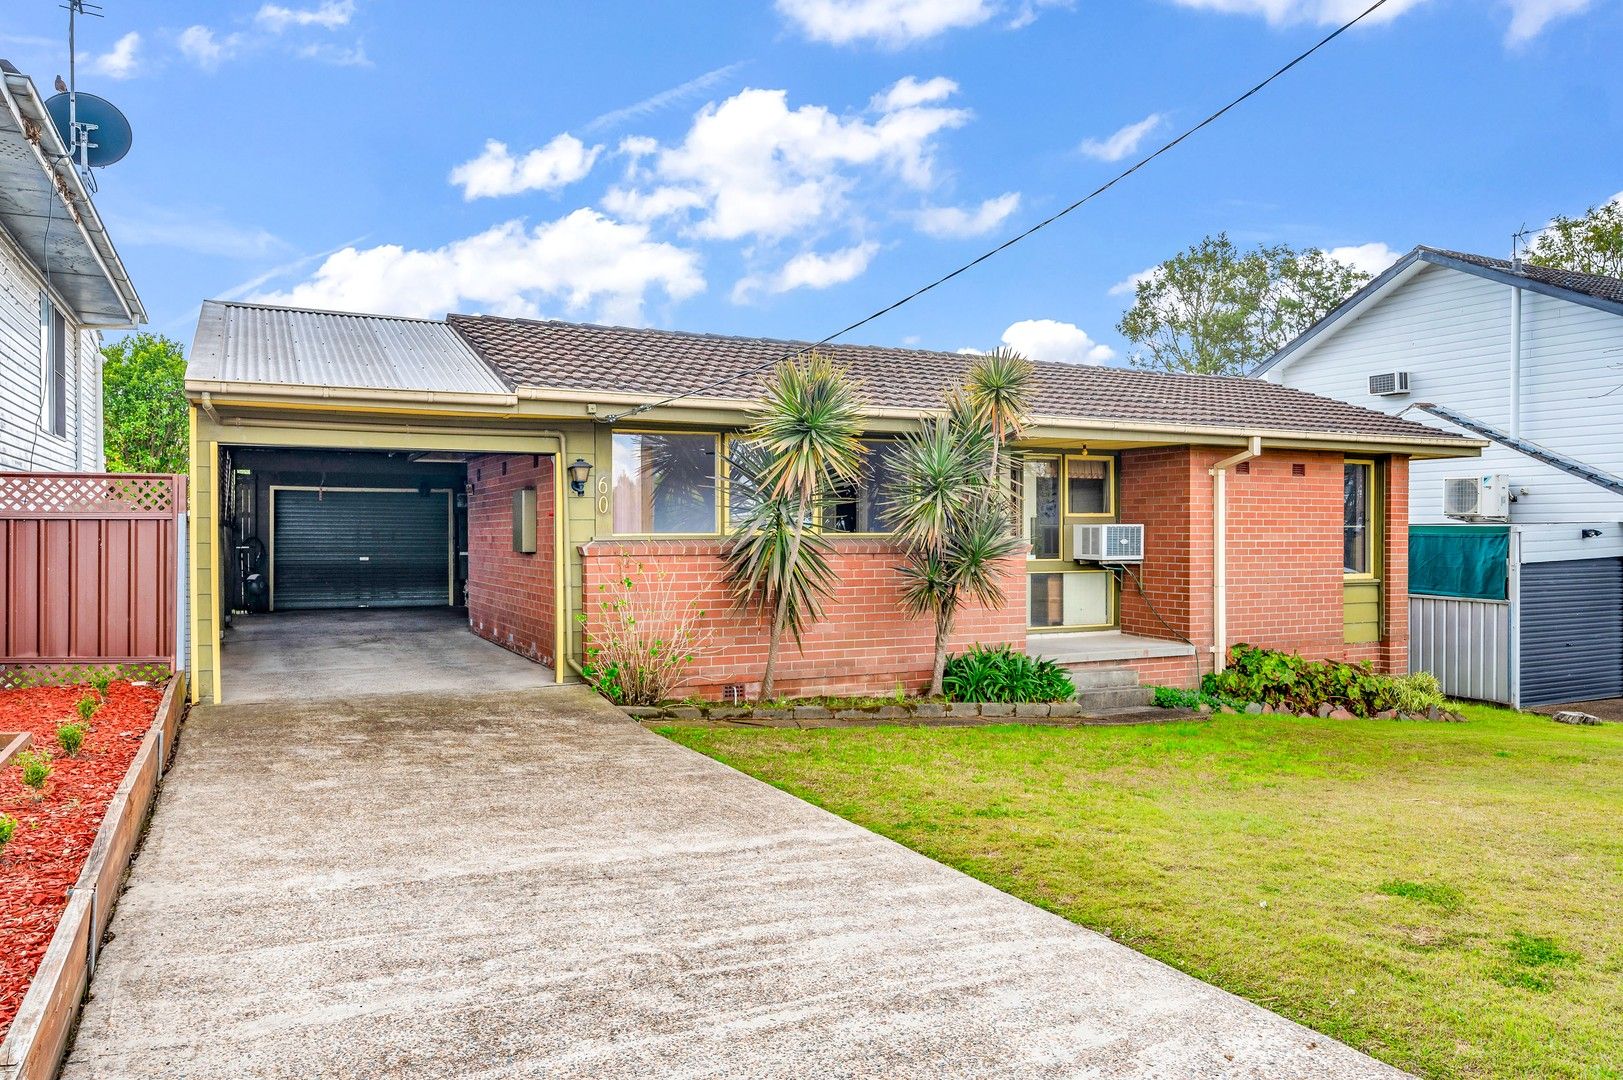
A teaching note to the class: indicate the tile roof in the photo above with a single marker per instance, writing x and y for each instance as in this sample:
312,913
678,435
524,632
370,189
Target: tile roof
612,359
254,343
1596,285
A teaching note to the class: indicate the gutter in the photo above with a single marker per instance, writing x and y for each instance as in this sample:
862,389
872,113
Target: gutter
205,387
1220,555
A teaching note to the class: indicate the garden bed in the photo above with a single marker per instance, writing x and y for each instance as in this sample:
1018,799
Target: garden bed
55,832
817,714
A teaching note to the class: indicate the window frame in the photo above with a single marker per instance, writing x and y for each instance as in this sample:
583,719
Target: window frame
1018,472
1112,602
720,518
1109,512
1371,506
54,368
868,443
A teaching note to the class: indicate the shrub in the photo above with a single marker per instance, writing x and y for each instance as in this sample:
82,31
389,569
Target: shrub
70,737
1002,675
1419,692
87,707
1171,697
1282,680
36,768
100,681
644,637
8,829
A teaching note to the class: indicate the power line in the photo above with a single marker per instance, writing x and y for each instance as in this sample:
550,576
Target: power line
1013,240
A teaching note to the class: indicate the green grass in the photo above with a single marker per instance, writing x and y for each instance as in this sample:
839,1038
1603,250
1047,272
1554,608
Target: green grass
1446,897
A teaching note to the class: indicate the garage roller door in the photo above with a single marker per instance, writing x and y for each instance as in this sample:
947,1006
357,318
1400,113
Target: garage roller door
338,548
1572,631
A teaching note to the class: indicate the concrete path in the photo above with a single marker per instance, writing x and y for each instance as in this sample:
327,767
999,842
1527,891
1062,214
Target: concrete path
530,885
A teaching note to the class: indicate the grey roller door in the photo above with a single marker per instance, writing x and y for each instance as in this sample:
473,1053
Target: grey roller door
348,549
1572,631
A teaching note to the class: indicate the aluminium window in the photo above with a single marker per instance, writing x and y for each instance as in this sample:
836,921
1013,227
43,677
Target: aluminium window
1072,598
1357,537
665,483
862,507
54,362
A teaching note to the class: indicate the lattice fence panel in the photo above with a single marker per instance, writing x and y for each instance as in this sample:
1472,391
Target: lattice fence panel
21,676
27,495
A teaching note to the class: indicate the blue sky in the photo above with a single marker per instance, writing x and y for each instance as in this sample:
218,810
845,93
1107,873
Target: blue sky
784,168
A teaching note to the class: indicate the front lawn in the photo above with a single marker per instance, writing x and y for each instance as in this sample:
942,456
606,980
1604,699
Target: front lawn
1446,897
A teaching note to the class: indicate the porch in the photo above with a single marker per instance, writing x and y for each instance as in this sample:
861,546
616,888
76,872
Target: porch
1103,646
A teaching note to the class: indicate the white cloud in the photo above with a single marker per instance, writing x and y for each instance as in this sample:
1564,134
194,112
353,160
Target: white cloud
337,55
200,45
753,167
201,231
1372,258
893,23
956,222
1129,286
328,16
1528,18
1285,12
907,92
1061,342
1123,142
496,171
120,62
1026,12
810,270
590,264
664,99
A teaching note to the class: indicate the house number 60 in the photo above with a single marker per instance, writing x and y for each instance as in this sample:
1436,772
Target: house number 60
602,494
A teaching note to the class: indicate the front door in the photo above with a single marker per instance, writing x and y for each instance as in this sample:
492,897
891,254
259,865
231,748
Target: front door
1058,491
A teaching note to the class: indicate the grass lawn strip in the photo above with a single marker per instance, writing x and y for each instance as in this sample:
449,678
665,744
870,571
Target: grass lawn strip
55,832
1441,896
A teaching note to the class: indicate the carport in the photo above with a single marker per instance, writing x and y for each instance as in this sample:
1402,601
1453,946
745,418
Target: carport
363,495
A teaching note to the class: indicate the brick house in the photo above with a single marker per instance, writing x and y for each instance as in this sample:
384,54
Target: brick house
518,468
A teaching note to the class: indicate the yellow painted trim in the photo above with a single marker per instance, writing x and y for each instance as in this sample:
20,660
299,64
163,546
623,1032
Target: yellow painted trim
192,542
214,565
560,595
1112,601
450,529
1370,506
1110,488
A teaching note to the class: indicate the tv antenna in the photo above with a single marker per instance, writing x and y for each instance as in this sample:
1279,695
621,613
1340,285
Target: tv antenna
94,131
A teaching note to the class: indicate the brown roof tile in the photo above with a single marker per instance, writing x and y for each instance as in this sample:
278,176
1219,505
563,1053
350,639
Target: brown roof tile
613,359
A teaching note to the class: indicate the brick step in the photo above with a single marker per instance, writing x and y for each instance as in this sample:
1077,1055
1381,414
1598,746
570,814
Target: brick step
1114,698
1093,677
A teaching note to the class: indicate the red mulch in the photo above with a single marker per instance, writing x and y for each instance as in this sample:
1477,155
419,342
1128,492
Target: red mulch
54,833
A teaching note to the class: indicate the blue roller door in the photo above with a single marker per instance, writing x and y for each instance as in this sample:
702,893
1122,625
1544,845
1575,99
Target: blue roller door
1571,631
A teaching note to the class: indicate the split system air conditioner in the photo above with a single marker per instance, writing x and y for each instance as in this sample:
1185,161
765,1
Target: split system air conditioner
1389,383
1477,498
1108,543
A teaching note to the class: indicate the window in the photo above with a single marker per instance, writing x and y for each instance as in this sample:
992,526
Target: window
1087,486
1039,504
1355,527
860,507
54,343
664,484
1076,598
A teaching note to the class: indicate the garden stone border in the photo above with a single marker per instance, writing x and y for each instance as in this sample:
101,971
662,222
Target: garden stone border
913,714
38,1040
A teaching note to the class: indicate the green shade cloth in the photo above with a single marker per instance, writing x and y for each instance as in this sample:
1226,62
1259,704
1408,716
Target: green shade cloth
1468,561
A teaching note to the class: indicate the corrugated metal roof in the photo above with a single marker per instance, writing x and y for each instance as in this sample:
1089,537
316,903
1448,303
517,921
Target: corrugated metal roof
252,343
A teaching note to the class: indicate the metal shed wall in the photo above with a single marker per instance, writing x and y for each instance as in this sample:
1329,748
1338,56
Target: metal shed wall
1571,631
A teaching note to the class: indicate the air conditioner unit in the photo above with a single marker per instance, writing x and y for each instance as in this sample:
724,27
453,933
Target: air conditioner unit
1477,498
1389,383
1107,543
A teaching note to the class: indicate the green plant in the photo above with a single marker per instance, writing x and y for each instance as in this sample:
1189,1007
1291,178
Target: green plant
1302,686
643,637
1002,675
86,707
70,737
100,681
1418,692
807,432
8,829
36,768
1172,697
998,392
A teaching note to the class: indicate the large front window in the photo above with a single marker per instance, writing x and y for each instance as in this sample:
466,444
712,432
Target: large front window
664,483
1356,546
1070,598
861,507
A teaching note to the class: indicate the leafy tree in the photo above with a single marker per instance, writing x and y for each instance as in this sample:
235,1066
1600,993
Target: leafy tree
998,390
806,436
1591,244
949,515
1216,310
143,380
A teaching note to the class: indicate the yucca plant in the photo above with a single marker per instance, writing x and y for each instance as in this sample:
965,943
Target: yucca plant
998,391
805,442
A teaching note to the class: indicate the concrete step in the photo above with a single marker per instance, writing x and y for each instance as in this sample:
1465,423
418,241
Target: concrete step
1092,677
1110,698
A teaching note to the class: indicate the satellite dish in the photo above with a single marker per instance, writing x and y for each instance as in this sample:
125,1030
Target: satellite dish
108,133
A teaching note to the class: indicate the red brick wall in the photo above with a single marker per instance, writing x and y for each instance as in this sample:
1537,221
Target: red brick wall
864,644
1285,584
511,596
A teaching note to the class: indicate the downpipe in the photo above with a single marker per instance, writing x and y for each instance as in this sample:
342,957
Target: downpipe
1220,525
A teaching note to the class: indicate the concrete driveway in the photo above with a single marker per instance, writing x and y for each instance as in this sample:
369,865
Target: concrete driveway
526,884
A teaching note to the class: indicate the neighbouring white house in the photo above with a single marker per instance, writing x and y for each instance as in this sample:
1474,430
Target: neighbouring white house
1516,559
61,285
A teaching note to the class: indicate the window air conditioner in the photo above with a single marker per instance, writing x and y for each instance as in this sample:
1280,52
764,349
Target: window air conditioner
1108,543
1389,383
1477,498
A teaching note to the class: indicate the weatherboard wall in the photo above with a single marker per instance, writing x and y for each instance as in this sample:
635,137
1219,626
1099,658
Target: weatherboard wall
25,445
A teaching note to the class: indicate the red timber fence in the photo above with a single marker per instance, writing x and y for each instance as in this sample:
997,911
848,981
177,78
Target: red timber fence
90,574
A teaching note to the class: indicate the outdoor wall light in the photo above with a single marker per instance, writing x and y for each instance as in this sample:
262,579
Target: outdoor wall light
580,471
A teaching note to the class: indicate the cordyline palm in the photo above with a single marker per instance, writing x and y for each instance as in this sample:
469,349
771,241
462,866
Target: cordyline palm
952,522
806,436
998,390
